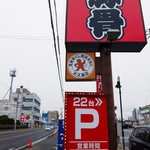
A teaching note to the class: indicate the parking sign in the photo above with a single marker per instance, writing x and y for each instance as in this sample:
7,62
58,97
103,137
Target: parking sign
86,125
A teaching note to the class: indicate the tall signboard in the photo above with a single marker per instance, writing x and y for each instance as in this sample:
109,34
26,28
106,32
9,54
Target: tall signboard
88,27
88,21
86,125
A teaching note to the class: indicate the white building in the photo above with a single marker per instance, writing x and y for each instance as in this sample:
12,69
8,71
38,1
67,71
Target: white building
22,104
7,108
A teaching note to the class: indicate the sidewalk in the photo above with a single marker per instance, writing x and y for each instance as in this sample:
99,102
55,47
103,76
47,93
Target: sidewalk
120,147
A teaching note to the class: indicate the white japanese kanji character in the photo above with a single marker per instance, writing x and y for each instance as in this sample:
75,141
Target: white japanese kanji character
79,145
85,146
91,145
97,145
91,103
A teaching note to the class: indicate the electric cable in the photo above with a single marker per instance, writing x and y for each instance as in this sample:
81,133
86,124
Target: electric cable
25,37
6,94
52,26
58,41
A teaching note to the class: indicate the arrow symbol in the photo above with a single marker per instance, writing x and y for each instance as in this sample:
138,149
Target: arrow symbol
99,101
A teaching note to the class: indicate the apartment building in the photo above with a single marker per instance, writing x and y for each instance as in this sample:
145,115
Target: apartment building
24,106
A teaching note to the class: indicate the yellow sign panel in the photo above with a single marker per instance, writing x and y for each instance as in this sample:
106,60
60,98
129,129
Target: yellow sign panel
80,66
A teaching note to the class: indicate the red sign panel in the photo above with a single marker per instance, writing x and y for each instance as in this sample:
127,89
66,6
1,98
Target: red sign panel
99,83
88,21
86,125
22,118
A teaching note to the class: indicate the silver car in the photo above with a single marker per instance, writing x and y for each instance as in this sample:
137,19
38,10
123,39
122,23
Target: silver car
48,128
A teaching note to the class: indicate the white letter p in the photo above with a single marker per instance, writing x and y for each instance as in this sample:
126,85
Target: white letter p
86,125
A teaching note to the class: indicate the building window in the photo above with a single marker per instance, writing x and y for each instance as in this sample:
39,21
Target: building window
36,117
6,108
36,102
15,99
27,99
26,108
36,110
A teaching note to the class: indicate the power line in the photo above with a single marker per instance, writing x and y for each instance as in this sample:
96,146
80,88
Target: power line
6,94
25,37
57,27
55,47
58,42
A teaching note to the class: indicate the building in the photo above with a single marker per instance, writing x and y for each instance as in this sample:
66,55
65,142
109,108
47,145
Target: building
135,116
53,116
145,114
23,106
7,108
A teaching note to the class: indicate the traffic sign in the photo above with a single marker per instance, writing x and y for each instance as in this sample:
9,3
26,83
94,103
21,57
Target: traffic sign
22,119
86,125
61,134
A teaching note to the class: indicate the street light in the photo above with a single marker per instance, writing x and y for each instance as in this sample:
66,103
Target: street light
119,87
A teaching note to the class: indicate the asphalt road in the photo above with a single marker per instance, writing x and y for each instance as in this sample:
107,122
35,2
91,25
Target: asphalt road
49,143
41,139
14,140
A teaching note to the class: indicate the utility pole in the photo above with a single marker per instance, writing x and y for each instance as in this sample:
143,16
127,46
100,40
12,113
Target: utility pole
118,85
12,73
103,65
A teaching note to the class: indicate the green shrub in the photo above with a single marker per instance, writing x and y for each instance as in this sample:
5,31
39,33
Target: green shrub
8,123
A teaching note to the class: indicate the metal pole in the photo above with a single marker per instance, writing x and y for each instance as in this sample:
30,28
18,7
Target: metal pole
11,87
15,117
12,73
123,142
118,85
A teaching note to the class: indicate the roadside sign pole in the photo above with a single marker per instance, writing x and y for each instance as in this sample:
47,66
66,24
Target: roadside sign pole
103,67
60,144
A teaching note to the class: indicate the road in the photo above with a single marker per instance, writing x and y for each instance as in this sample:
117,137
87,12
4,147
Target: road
20,139
15,140
49,143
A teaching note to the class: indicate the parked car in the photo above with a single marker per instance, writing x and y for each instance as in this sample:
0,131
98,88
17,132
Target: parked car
127,125
140,138
48,128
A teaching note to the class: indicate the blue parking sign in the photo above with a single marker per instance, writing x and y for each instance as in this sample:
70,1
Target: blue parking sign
61,134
